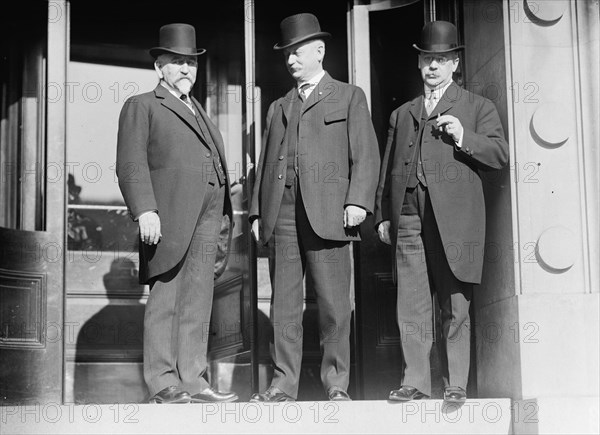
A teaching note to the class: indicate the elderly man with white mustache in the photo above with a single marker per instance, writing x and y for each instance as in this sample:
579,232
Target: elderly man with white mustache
173,177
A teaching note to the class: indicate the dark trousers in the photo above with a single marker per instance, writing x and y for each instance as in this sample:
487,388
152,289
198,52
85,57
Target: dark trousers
422,269
294,250
178,310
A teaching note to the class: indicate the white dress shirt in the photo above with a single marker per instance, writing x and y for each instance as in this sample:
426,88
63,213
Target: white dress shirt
312,83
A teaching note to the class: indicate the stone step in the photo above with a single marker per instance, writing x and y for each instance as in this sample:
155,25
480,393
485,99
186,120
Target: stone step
486,416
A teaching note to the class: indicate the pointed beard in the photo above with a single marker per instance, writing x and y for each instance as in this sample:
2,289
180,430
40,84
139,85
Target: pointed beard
184,86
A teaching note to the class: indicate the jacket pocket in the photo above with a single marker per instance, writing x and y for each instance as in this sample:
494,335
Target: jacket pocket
336,116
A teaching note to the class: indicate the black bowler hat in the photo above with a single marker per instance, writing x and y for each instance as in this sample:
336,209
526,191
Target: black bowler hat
177,38
299,28
438,37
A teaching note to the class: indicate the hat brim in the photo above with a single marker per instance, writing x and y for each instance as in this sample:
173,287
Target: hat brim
157,51
286,44
440,50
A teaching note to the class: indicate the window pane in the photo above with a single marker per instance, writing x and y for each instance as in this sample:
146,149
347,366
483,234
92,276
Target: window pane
96,94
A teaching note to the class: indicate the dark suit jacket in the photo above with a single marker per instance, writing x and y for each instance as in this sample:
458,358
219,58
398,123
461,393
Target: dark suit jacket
453,178
338,159
162,165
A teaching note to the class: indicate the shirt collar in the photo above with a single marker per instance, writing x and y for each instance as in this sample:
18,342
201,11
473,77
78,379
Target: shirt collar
188,103
312,82
438,92
172,90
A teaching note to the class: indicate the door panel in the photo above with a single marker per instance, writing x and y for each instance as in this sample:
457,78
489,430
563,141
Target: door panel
31,332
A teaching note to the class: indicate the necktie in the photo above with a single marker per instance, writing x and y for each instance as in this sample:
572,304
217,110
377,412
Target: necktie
187,102
430,104
302,91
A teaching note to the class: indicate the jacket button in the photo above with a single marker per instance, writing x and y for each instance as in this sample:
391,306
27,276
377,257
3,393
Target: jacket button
280,157
411,143
207,155
280,176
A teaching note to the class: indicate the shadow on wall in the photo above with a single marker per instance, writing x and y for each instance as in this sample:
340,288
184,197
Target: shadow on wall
109,352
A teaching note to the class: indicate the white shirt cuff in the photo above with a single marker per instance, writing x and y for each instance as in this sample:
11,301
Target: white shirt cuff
146,212
459,143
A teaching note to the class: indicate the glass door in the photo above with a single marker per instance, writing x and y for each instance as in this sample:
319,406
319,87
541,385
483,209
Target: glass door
105,303
31,203
385,67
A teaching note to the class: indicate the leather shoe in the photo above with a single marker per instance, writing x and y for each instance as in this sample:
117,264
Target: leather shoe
171,394
273,394
455,395
337,394
406,393
211,395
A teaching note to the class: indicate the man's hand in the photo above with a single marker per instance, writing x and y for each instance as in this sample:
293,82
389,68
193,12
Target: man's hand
451,125
384,232
150,228
256,229
354,216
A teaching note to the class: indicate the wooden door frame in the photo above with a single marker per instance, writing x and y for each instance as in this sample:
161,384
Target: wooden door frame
249,157
56,193
359,50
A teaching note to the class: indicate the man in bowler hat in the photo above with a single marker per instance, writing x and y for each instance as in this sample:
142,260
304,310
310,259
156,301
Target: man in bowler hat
173,177
315,184
430,208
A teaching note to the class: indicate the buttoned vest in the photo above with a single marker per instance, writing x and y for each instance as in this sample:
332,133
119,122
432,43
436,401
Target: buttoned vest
291,133
416,174
213,154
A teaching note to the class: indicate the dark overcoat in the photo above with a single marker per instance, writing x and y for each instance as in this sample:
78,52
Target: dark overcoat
338,159
164,164
452,173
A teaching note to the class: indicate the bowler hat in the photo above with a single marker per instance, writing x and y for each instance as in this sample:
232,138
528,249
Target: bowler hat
177,38
438,37
299,28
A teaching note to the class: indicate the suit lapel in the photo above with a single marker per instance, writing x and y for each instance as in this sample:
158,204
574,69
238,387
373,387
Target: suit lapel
445,103
287,103
416,108
447,100
213,134
177,107
323,89
204,126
